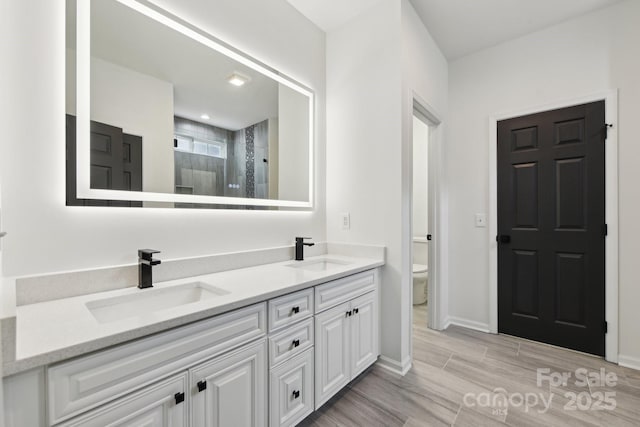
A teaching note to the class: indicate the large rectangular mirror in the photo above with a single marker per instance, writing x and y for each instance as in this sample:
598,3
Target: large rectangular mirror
161,113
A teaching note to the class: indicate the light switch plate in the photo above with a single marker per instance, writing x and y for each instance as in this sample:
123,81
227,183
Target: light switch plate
481,220
345,220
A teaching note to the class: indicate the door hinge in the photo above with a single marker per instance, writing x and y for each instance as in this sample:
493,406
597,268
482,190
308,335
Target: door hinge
605,230
607,126
605,327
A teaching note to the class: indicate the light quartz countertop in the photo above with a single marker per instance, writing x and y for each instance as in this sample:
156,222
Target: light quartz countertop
51,331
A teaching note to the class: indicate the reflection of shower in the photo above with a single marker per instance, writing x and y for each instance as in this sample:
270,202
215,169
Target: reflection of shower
221,162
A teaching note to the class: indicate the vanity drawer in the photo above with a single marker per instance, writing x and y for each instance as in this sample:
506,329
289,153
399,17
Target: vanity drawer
291,391
345,289
84,383
291,341
290,308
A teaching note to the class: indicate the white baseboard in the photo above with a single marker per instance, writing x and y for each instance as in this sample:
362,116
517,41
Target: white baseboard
399,368
466,323
629,362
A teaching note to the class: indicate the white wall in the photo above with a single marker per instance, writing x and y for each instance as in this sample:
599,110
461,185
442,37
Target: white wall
141,105
46,236
593,53
364,146
293,131
373,62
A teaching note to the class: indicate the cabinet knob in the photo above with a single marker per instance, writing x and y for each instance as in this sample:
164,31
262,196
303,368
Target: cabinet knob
296,394
179,397
295,310
296,343
202,385
348,313
355,310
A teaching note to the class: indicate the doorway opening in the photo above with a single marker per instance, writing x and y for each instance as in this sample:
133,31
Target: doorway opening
421,236
424,232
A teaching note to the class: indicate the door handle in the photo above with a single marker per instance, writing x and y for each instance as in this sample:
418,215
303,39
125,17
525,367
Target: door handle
503,238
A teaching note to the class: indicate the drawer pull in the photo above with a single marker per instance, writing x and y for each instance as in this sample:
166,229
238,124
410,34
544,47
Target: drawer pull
296,343
295,310
179,397
202,385
355,310
296,394
348,314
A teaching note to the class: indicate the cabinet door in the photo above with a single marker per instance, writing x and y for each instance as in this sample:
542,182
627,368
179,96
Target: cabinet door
231,390
291,391
332,352
159,405
364,332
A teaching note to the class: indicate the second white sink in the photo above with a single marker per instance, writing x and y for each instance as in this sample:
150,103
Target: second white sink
322,264
151,300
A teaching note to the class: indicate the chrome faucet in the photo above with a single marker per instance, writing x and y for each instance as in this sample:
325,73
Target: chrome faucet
145,264
300,247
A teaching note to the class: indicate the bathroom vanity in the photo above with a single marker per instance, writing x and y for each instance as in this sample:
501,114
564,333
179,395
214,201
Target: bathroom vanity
258,346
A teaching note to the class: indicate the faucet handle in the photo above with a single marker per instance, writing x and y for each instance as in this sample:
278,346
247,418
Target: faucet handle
147,254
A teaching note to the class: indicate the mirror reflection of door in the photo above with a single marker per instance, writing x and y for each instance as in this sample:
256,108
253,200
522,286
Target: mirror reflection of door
116,163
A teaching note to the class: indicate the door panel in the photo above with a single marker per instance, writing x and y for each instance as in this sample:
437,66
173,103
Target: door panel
235,391
525,177
525,283
332,352
551,205
364,332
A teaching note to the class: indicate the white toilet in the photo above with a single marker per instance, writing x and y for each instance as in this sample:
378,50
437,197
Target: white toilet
420,281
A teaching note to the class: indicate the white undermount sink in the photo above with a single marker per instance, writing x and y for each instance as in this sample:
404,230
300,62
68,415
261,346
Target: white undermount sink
146,301
321,264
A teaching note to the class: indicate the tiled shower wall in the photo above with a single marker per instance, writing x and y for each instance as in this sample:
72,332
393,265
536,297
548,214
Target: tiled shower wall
243,174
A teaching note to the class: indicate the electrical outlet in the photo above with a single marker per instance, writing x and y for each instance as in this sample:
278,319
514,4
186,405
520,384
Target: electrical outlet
481,220
345,220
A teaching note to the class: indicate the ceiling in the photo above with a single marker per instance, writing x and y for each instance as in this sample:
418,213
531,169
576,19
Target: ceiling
330,14
461,27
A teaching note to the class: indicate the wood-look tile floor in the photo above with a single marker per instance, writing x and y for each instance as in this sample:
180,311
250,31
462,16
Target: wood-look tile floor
486,368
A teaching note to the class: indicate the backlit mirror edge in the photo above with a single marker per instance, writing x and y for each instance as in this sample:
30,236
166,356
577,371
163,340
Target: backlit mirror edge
83,103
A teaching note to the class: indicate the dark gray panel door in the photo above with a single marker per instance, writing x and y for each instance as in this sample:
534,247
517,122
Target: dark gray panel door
551,216
116,163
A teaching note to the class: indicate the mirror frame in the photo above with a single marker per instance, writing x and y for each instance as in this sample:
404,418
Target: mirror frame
83,107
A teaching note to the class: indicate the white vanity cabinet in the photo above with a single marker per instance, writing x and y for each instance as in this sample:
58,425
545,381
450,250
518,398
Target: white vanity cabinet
347,335
271,363
79,385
